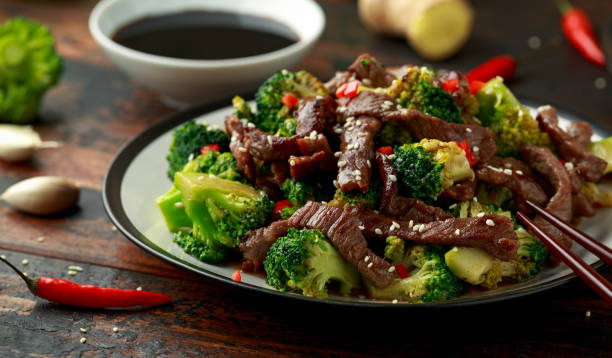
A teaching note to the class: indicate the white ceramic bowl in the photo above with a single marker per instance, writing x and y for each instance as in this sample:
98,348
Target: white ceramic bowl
182,82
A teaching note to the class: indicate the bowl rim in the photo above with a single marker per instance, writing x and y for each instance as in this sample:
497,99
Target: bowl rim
109,45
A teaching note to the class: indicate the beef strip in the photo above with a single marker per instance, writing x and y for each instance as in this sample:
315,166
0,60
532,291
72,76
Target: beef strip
461,191
581,132
423,126
398,207
341,229
340,78
590,166
357,152
256,244
267,147
367,103
370,72
543,161
239,147
498,239
315,114
304,166
310,145
581,205
280,171
510,173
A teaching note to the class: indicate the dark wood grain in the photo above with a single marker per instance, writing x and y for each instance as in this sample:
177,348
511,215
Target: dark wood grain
96,108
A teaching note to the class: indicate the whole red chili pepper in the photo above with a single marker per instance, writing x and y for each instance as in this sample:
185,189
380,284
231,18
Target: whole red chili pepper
503,66
579,31
69,293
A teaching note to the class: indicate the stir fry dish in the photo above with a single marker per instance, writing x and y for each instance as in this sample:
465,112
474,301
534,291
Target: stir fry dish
398,184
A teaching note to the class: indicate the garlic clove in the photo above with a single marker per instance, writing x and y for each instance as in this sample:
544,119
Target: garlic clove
18,143
42,195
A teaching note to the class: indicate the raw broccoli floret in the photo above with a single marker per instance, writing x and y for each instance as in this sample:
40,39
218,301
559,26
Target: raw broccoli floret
426,168
222,210
188,140
304,261
418,90
392,134
272,116
430,281
29,66
369,200
202,247
511,123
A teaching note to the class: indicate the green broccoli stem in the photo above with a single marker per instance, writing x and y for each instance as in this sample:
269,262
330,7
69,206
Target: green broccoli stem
173,211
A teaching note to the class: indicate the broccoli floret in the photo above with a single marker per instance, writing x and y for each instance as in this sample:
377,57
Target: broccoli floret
426,168
369,200
304,261
418,90
430,281
272,116
394,249
469,209
298,192
243,110
29,66
188,140
222,210
222,165
202,247
392,134
532,254
511,123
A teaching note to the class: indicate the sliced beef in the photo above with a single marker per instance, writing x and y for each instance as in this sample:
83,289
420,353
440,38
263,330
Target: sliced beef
357,153
340,78
581,132
342,230
423,126
315,114
255,246
505,172
571,150
280,171
367,103
543,161
492,233
310,145
305,166
398,207
370,72
581,206
239,147
269,147
461,191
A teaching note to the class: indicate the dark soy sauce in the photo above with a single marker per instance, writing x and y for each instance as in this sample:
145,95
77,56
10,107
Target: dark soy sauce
203,35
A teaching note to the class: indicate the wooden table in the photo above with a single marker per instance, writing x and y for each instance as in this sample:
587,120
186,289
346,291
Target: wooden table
96,108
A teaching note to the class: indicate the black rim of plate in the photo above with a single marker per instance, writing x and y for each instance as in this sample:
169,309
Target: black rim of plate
111,195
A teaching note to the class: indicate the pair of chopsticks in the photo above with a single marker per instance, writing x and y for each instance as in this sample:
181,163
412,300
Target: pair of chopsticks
584,271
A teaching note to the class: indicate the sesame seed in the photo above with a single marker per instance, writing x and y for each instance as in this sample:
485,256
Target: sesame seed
455,249
519,172
369,163
341,109
178,204
358,122
40,239
490,222
337,154
469,130
391,269
358,177
361,134
292,162
391,156
270,140
410,224
350,119
313,133
569,166
422,228
480,215
508,171
337,130
251,125
361,227
534,42
378,231
76,268
376,211
587,314
398,107
242,149
388,103
452,206
335,183
394,301
356,172
356,145
115,329
349,147
416,227
475,149
25,274
475,199
25,261
494,168
139,288
600,83
113,228
341,163
84,330
395,224
366,259
3,257
83,340
319,97
72,272
392,177
391,228
201,177
370,264
347,124
457,232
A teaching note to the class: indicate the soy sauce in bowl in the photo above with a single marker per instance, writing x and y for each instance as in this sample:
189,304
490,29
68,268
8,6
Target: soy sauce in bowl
205,35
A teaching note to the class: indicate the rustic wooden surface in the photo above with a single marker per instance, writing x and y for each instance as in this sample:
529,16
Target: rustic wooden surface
96,108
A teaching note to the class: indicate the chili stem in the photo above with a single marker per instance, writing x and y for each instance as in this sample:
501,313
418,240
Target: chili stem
31,283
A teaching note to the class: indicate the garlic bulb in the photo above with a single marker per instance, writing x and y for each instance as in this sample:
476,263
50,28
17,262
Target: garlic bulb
18,143
42,195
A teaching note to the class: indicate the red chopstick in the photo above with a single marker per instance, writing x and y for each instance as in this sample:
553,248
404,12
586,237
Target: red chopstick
584,271
586,241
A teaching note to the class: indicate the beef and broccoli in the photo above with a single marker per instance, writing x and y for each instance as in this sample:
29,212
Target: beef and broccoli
398,184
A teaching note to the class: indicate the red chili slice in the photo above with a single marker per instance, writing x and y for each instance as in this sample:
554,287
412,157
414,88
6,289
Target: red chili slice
476,85
352,89
450,85
208,147
289,100
236,276
280,205
340,91
504,66
387,150
401,270
468,152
